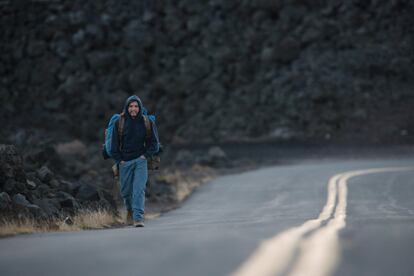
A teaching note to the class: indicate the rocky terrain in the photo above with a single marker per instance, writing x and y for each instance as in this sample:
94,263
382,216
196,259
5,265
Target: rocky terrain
53,184
42,195
212,71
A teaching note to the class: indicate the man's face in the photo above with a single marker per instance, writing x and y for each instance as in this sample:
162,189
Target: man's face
133,109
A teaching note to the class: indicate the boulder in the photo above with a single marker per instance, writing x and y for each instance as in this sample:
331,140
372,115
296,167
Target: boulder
43,189
287,50
75,147
66,200
78,38
54,183
137,35
36,211
74,84
100,61
68,220
45,174
11,164
43,154
62,48
20,200
108,197
12,186
36,48
49,206
214,157
184,158
161,189
88,193
77,18
70,187
5,200
31,184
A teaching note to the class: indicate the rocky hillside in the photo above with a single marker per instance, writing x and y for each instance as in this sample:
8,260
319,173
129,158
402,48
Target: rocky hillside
211,70
42,195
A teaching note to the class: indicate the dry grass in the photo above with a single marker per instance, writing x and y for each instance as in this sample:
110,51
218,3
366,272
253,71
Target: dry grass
90,219
84,219
21,226
186,181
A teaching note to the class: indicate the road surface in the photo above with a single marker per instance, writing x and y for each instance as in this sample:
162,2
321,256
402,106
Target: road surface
327,217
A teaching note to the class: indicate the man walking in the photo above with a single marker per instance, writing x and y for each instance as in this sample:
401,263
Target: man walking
131,147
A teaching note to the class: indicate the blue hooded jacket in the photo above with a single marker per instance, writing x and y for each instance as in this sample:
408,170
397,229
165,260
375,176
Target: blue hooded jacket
133,137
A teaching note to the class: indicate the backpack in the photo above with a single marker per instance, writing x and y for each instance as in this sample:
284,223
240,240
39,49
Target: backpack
118,120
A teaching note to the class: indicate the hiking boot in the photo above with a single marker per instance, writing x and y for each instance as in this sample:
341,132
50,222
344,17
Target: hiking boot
138,223
129,218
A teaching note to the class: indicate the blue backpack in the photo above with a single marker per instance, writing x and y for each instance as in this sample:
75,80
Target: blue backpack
117,120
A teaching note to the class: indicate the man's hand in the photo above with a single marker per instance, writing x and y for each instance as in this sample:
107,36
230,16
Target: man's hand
143,157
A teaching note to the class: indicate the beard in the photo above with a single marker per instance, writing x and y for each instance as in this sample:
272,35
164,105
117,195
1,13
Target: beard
133,114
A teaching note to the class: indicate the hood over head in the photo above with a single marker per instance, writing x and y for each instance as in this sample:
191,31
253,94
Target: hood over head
133,98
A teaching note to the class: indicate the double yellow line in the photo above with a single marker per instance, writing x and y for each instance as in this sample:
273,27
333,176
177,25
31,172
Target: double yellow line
316,240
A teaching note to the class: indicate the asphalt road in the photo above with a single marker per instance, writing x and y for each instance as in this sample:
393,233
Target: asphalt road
311,218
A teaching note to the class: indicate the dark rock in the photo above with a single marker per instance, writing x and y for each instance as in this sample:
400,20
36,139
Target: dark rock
43,189
36,48
184,158
282,133
77,17
5,200
12,186
137,35
73,85
194,68
49,206
101,60
75,147
94,33
87,192
287,50
68,220
54,183
36,211
44,174
217,153
21,200
43,154
170,52
67,201
43,72
148,16
70,187
62,48
111,203
11,164
267,55
215,157
71,67
78,38
106,19
161,189
31,184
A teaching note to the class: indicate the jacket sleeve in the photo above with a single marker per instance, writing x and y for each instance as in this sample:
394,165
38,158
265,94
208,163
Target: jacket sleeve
152,144
116,154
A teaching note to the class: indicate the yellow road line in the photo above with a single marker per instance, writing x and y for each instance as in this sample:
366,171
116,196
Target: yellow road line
319,253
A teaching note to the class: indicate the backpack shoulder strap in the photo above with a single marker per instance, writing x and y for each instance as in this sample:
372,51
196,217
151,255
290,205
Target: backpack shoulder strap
120,125
147,126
